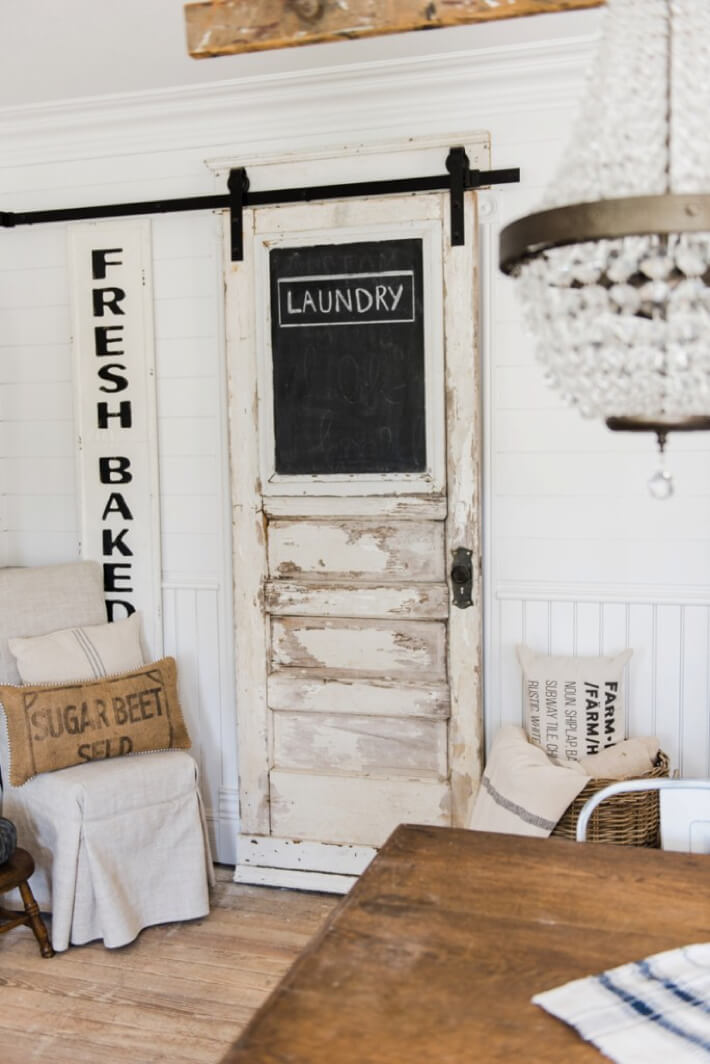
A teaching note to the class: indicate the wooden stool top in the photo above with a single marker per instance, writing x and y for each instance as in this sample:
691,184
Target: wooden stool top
19,867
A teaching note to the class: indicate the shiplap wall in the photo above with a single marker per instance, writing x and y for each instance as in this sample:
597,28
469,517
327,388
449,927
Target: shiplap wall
577,557
37,438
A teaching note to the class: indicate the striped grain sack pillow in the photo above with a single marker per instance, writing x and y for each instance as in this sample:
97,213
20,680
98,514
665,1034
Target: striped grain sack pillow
79,653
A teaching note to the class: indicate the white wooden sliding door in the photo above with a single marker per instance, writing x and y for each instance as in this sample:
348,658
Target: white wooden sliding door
355,455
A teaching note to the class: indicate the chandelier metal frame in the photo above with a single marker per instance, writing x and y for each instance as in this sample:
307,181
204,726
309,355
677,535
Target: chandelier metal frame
608,219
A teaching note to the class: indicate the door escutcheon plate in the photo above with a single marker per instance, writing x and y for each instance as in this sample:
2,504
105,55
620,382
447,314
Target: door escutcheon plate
462,577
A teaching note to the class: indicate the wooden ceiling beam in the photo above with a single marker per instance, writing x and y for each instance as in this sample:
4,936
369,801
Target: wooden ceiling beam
227,27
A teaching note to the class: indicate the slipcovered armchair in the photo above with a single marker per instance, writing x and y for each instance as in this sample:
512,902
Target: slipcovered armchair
119,843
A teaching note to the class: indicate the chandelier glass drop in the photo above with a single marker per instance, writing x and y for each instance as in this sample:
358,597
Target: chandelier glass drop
614,271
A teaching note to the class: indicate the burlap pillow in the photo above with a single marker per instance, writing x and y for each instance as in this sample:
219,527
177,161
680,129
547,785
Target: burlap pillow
573,706
52,727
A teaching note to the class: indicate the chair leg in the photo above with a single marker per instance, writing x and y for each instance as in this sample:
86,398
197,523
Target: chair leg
35,920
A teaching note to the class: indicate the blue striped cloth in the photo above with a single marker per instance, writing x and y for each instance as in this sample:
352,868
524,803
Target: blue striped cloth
653,1010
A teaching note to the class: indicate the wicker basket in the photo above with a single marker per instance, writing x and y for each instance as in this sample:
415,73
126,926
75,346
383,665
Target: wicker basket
625,819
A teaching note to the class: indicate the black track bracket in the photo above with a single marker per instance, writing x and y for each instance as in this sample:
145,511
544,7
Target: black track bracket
458,165
238,185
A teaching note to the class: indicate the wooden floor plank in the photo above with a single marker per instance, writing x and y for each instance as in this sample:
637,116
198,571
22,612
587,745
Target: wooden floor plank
180,992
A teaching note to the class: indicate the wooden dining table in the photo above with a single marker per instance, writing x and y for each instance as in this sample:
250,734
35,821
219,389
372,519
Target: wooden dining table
435,953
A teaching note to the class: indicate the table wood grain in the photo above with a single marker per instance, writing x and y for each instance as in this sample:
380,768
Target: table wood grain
435,953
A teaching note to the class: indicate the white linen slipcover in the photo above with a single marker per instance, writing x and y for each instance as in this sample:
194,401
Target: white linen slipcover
118,844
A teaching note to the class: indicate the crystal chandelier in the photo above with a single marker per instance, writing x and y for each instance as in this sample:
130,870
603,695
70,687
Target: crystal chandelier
614,272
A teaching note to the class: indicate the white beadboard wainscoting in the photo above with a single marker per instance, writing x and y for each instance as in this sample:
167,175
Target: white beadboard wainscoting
197,635
667,681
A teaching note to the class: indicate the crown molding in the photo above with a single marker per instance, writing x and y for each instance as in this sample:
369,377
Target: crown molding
378,99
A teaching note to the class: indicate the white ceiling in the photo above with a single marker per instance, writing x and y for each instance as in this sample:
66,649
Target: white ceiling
66,49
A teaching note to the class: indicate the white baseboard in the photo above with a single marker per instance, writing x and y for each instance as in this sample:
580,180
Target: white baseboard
223,826
295,880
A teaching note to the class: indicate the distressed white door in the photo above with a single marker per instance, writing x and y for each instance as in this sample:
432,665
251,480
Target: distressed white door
358,681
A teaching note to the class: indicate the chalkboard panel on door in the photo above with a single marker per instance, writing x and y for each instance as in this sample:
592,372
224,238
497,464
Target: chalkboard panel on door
347,334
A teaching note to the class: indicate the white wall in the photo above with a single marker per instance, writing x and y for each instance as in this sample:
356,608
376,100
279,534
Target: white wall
577,557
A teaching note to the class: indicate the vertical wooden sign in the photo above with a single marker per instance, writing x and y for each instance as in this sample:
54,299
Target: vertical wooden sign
115,416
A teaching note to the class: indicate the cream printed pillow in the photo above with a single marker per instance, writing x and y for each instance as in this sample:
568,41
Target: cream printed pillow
573,706
79,653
